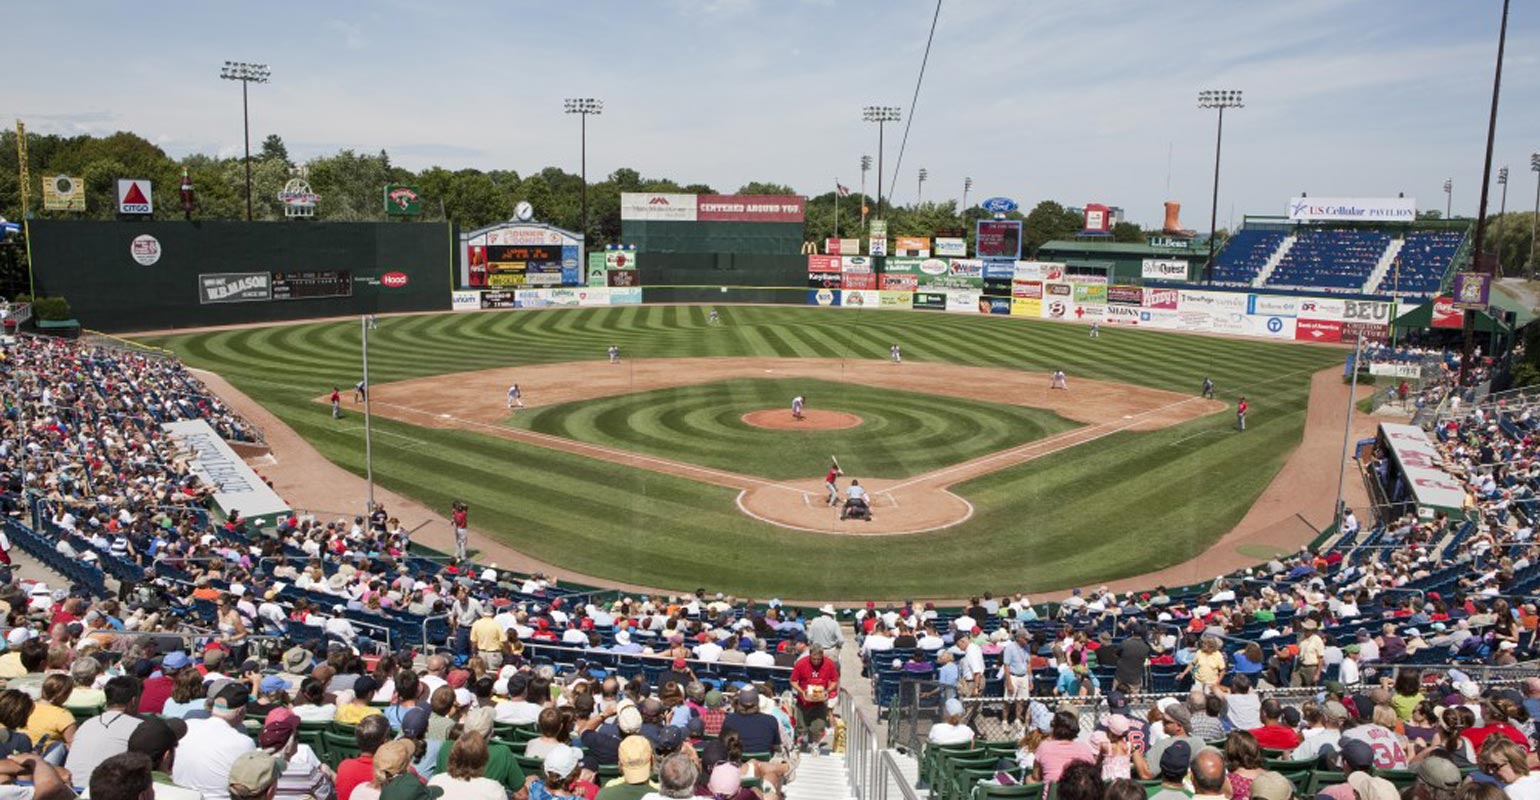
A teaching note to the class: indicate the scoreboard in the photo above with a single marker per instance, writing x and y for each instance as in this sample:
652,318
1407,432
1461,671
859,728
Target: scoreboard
303,285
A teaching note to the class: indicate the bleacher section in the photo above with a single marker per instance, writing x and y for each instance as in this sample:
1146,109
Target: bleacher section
1330,260
1244,255
1425,258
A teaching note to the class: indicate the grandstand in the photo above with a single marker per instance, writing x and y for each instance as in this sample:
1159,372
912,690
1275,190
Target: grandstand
152,575
1268,252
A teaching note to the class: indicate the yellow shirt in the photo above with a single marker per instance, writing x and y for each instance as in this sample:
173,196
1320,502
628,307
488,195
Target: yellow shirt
10,665
1312,651
487,635
351,713
1207,666
47,720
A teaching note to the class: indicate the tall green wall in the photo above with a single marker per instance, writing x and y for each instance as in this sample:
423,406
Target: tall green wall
90,264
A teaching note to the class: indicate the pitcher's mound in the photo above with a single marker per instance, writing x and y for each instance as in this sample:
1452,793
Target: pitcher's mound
816,419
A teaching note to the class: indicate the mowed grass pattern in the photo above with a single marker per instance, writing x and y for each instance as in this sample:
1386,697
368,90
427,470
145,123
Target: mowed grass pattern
1117,507
901,434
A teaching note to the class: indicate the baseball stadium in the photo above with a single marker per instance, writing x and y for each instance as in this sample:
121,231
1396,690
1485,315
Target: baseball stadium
698,494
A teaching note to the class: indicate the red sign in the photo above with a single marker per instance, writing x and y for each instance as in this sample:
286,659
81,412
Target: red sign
1368,331
900,282
1317,330
749,208
818,263
860,280
1161,298
394,280
1028,290
1445,315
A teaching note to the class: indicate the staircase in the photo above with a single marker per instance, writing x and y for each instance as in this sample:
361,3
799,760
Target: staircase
820,777
1382,267
1273,261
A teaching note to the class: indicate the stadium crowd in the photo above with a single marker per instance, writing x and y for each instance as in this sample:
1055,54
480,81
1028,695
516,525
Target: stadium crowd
238,662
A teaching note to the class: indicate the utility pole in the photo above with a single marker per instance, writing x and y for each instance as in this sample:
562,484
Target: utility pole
1482,263
866,166
1220,99
880,115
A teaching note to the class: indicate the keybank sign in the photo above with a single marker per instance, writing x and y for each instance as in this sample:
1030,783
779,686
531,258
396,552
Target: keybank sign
1352,209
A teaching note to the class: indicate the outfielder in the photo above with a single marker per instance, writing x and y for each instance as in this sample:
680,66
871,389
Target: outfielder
831,483
1096,329
796,408
515,397
712,319
896,354
1208,388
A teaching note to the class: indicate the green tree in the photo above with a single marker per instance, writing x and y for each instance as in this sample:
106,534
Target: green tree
757,187
274,148
1128,232
1048,221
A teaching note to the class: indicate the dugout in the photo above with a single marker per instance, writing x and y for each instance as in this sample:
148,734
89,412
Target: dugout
130,275
1124,262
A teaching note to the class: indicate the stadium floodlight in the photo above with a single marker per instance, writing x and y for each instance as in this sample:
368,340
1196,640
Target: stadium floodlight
584,107
967,185
247,73
1502,211
1220,99
880,115
919,189
866,166
1534,166
1448,196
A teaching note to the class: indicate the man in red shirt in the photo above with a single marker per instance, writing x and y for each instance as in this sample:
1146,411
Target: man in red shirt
372,731
1274,735
816,680
461,521
1240,414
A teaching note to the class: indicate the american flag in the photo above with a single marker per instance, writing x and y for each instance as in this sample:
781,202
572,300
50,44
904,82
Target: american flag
844,191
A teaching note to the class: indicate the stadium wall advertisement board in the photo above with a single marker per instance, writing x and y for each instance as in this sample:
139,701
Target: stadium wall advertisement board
859,280
1431,486
930,301
895,300
235,287
912,246
860,298
823,297
1352,209
951,247
899,283
236,486
1026,307
1166,269
998,238
962,302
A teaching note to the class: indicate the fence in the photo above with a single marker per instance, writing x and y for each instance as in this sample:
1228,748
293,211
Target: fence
916,706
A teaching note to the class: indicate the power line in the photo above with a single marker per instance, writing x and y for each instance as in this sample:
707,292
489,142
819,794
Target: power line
915,101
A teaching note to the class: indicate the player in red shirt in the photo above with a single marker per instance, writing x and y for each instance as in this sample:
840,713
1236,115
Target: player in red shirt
816,680
336,403
1240,414
832,485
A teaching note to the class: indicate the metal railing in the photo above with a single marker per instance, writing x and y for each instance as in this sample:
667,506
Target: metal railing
871,770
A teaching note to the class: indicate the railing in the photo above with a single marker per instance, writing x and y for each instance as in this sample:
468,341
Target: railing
871,770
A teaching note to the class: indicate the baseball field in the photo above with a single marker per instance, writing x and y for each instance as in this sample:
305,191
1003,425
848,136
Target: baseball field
680,466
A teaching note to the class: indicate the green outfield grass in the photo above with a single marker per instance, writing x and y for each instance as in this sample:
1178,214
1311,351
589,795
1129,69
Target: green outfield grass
1123,505
901,434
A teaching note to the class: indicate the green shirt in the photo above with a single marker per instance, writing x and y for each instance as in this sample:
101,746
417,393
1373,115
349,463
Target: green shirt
501,766
625,791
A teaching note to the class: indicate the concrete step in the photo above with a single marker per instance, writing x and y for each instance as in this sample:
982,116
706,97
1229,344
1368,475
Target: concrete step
820,777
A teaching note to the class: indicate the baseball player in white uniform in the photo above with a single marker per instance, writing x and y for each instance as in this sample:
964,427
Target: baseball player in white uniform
896,354
796,407
515,398
614,354
1058,381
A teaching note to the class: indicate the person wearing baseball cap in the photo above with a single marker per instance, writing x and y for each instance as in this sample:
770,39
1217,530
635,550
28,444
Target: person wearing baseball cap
760,733
1176,723
1437,779
363,692
254,776
952,729
635,779
1271,786
157,739
208,752
302,769
1174,761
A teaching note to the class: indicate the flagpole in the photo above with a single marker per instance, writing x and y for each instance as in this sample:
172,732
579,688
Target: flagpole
363,327
836,208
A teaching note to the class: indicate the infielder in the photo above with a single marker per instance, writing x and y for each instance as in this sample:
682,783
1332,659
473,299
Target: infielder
711,319
1057,381
360,392
515,397
1241,408
896,354
614,354
831,483
1208,388
336,403
796,408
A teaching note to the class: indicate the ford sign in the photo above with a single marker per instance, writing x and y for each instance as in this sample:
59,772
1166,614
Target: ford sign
998,205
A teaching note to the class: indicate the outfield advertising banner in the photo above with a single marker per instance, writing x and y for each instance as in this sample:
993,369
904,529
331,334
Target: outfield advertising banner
1322,331
962,302
1162,299
902,265
855,264
824,280
823,297
1122,315
1125,296
1026,307
951,247
997,238
657,207
842,247
859,280
1165,269
819,263
1038,271
1032,290
860,298
1446,314
1272,305
1352,209
1092,293
464,301
895,300
994,305
930,301
627,296
235,287
913,246
899,283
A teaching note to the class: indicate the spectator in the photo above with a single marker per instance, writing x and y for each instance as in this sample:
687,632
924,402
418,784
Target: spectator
1114,751
159,686
635,771
1081,780
500,766
208,752
157,739
1357,757
1324,740
1208,664
254,776
106,734
1207,712
1129,789
815,680
466,773
760,732
15,708
1208,775
555,730
952,730
1174,762
50,724
1271,786
559,775
125,776
1243,761
391,760
84,696
1506,760
1243,708
1437,779
187,694
677,776
1273,734
310,704
303,773
1061,748
371,732
1176,726
351,713
1380,737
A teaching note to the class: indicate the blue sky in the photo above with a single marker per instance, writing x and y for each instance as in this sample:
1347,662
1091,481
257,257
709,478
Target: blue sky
1072,101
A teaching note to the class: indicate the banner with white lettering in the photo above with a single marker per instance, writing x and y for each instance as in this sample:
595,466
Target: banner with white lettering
236,486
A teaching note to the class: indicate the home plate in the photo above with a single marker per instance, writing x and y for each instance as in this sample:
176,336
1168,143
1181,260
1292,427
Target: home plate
445,416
